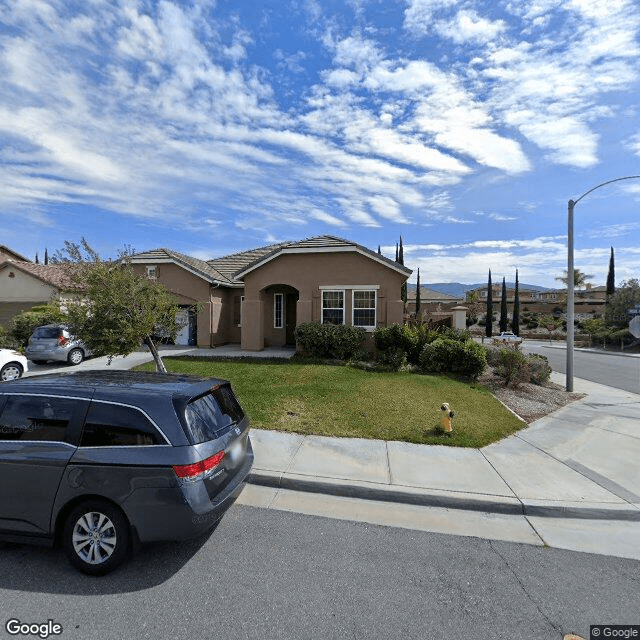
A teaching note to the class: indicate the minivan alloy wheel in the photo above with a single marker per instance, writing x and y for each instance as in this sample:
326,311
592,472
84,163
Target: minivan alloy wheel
96,537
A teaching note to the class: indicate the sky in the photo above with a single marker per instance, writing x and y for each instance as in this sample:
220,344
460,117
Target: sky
215,126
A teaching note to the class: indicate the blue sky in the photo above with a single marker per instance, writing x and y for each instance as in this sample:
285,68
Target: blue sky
211,127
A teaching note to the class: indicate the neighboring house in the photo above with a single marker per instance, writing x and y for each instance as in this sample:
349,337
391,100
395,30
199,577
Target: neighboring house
258,297
589,301
26,284
431,301
9,254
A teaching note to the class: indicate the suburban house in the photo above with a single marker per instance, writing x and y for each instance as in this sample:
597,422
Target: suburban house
431,302
258,297
24,285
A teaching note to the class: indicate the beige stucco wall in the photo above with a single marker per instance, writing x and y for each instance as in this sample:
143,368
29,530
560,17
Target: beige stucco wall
214,321
17,286
20,292
306,273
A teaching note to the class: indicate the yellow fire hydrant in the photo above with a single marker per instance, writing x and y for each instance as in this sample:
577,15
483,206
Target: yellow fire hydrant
447,414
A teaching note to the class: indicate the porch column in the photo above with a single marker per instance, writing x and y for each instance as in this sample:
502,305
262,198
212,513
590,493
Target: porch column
252,331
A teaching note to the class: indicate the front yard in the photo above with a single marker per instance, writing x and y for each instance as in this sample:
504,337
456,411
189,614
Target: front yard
348,402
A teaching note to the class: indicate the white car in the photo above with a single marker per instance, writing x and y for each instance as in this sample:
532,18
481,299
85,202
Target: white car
508,336
12,364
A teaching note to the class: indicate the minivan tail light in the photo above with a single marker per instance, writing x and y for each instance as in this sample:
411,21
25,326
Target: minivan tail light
62,341
197,469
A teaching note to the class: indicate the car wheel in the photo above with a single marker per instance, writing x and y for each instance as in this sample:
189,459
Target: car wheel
11,371
76,356
96,537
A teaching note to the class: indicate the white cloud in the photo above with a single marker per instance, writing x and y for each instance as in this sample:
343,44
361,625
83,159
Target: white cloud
469,26
419,14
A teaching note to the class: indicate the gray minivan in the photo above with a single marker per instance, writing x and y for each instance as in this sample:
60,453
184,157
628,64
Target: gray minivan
54,342
99,461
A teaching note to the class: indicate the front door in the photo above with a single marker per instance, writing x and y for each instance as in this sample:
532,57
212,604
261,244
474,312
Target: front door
291,304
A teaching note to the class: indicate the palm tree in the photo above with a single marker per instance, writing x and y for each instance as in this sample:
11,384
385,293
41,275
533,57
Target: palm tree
580,280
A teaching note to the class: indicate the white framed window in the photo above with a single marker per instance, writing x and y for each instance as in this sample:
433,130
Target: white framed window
278,310
364,308
333,307
152,272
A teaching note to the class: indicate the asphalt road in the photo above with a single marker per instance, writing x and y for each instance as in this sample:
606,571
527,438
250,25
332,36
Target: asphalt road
267,574
611,369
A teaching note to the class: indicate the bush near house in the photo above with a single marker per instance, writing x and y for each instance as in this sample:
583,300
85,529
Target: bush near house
23,324
466,358
444,350
340,341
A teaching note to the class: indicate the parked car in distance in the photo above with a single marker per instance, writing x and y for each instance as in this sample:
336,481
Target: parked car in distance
101,461
54,342
508,336
12,364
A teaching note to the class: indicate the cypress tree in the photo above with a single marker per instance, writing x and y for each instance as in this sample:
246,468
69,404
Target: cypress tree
380,252
403,290
611,278
37,261
515,321
396,252
418,303
488,328
46,256
504,320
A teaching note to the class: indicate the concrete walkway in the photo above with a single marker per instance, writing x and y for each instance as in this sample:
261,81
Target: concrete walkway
569,480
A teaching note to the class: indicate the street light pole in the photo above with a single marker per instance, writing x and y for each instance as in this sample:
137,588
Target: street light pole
570,279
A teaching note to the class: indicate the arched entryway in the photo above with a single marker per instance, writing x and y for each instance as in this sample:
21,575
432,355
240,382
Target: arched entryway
280,303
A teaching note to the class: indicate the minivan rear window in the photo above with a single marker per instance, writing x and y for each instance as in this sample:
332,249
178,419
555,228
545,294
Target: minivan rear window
210,415
47,332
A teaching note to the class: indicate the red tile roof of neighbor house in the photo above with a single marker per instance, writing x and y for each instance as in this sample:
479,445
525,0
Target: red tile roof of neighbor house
56,275
228,269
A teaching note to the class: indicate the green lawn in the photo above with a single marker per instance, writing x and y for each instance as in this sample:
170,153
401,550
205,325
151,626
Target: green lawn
348,402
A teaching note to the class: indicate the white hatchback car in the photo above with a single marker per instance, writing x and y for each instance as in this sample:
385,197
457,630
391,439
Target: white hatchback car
12,364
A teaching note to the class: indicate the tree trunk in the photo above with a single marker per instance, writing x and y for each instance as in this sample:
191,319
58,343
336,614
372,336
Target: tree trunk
156,356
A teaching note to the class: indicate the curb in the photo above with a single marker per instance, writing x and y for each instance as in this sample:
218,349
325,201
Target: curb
425,499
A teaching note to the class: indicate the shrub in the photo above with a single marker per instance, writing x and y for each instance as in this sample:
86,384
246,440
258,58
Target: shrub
439,355
513,367
7,341
539,369
448,355
394,358
407,338
23,324
473,360
339,341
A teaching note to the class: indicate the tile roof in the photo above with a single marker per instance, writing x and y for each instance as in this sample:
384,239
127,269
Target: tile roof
10,254
204,269
317,242
430,294
226,269
56,275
